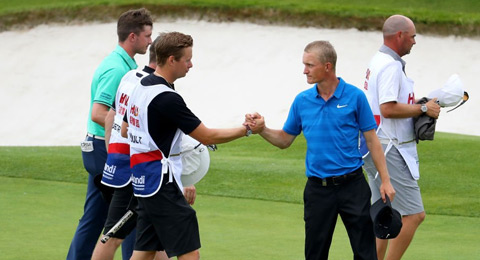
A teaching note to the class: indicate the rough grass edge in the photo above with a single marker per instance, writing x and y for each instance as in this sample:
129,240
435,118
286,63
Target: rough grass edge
263,16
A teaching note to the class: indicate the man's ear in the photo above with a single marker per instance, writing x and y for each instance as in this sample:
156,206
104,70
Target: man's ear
399,34
132,36
328,66
170,59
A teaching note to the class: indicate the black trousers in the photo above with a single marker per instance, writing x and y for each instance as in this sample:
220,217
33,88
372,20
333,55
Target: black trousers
323,203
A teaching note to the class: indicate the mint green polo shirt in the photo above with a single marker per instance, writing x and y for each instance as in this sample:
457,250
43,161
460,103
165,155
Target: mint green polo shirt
105,82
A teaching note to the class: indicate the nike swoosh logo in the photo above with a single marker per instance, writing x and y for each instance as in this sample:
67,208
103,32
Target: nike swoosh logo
338,106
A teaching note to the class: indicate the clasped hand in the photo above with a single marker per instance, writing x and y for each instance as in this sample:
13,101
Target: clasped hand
255,121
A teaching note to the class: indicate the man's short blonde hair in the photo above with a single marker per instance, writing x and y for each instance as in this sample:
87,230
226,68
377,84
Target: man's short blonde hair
324,50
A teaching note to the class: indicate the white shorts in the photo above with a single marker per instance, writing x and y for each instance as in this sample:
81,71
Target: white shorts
408,200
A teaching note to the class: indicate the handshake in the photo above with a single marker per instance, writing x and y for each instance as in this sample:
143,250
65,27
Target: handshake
255,122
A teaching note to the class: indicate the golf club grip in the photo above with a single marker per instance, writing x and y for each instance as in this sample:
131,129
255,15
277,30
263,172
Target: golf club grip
117,226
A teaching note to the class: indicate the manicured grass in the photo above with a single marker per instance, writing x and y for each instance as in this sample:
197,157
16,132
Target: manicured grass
440,16
43,163
39,219
449,174
253,169
250,202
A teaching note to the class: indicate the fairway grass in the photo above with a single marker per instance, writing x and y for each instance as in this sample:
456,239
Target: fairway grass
250,204
251,168
39,218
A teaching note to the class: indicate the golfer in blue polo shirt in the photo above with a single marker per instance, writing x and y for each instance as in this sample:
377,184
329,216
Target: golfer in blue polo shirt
331,114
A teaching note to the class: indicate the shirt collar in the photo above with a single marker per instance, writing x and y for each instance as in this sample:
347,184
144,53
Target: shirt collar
163,81
387,50
338,91
340,87
148,70
128,60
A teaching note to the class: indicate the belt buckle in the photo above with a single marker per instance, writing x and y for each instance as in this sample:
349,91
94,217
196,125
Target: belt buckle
324,182
338,180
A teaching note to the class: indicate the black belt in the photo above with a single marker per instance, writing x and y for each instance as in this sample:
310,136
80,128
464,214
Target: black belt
337,180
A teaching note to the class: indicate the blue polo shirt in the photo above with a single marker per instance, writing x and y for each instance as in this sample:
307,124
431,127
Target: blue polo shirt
331,128
105,82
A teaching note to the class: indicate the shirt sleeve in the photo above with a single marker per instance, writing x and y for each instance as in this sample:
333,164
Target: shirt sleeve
293,125
389,81
366,120
107,86
172,106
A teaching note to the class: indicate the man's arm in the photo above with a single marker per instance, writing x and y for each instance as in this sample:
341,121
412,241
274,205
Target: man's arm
378,157
99,113
276,137
124,131
208,136
399,110
108,126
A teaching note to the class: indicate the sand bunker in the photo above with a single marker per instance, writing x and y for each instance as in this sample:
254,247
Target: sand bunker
237,68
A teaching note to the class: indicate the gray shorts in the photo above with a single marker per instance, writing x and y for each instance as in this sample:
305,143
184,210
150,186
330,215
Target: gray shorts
408,200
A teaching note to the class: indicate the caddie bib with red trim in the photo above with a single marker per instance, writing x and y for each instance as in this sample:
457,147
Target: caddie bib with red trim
385,82
148,163
116,172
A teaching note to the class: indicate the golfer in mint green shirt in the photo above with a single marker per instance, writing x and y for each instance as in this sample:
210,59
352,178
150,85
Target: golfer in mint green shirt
105,83
134,30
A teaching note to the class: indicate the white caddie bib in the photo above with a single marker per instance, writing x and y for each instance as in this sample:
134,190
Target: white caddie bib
383,84
116,172
149,164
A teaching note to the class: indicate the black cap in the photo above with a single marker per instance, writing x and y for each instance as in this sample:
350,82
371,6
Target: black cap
387,221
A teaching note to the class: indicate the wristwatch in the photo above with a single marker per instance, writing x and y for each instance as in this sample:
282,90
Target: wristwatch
424,108
249,131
